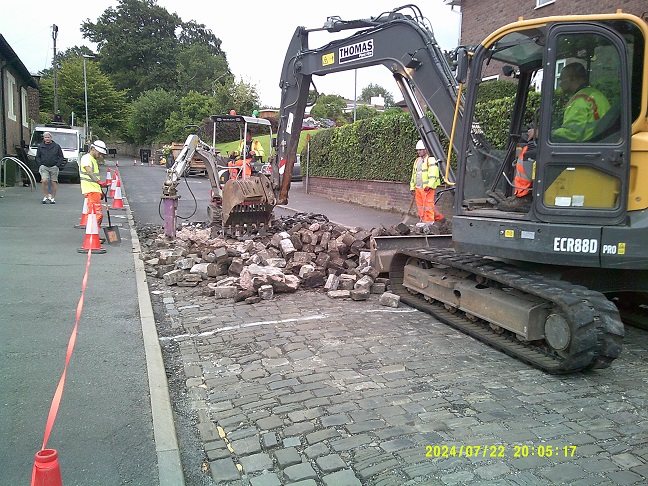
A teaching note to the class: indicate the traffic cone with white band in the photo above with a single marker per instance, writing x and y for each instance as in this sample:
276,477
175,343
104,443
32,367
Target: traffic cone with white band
91,241
113,185
117,201
84,215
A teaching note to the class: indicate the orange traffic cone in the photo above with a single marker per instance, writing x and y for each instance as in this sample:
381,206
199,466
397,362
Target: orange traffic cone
46,471
117,163
117,201
134,160
108,175
84,215
91,241
113,185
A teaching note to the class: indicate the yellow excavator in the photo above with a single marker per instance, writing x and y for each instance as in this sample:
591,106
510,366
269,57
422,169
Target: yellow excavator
540,283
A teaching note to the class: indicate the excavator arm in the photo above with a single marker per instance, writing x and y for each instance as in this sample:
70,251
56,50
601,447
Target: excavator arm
403,44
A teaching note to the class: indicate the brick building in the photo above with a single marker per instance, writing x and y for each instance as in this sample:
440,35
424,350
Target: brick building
19,101
479,18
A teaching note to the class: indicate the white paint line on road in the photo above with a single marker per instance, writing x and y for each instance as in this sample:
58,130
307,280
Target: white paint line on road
241,326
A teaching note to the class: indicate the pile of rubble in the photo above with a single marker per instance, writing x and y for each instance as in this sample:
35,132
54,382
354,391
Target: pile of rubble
304,251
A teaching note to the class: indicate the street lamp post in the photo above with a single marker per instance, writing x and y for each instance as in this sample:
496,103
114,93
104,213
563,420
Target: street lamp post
85,92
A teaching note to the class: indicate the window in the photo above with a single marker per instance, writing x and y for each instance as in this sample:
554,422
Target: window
24,104
11,91
542,3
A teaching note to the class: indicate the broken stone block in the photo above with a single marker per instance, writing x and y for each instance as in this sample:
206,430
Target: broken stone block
220,254
378,288
296,242
276,262
339,294
322,260
266,292
347,282
224,292
162,269
173,277
364,283
359,294
200,269
253,276
255,299
224,281
313,280
306,270
364,259
217,269
192,277
332,282
287,247
236,267
290,283
389,300
314,227
302,257
185,263
370,271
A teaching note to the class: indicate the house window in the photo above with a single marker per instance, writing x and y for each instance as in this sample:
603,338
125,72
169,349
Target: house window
542,3
11,92
24,104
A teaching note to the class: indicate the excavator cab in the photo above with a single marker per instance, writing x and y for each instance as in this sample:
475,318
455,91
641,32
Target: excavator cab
584,177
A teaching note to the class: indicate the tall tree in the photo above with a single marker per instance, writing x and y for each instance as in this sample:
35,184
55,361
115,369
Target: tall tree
328,106
106,105
142,46
372,90
149,113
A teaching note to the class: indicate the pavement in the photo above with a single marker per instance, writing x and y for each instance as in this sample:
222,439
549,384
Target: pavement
301,389
114,424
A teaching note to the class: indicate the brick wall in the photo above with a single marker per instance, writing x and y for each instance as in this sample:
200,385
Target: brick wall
480,18
388,196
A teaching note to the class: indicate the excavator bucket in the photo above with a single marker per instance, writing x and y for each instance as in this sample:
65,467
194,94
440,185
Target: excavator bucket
248,203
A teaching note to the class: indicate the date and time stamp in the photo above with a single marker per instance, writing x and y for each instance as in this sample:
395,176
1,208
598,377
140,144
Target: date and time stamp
500,451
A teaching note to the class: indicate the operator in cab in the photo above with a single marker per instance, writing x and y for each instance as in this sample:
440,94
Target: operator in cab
583,111
241,168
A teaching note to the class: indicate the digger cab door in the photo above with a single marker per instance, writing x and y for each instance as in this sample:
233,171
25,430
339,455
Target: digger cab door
582,169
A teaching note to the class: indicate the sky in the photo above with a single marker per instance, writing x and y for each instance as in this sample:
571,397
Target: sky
254,38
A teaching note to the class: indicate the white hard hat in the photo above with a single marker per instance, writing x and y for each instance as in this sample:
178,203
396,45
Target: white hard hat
420,145
99,146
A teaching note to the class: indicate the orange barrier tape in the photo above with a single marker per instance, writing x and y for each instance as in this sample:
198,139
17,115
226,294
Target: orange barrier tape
56,401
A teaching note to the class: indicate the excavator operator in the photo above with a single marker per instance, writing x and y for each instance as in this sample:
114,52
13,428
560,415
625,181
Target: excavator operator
253,151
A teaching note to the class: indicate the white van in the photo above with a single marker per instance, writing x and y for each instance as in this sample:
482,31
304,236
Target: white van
71,140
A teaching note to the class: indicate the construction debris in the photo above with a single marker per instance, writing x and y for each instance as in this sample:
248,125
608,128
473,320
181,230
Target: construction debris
303,251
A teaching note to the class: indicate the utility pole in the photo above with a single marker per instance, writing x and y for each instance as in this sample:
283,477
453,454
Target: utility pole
54,35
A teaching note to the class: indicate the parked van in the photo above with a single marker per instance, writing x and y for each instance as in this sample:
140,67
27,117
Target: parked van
71,140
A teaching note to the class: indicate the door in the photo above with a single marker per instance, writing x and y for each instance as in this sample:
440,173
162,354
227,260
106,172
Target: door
582,170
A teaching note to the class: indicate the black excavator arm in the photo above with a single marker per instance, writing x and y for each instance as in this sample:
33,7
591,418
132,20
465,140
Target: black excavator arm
403,44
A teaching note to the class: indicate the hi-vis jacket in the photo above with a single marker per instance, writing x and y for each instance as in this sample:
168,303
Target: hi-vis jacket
582,113
256,146
87,184
425,173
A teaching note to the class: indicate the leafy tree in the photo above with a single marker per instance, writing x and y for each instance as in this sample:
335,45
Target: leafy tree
376,90
328,106
200,71
142,46
106,106
236,95
194,109
149,114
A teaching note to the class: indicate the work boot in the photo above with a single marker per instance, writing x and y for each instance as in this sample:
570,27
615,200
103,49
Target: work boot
516,204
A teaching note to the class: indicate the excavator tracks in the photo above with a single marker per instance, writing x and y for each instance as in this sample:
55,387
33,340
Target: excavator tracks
593,322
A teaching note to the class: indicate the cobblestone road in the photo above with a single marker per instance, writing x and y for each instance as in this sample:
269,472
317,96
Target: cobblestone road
308,390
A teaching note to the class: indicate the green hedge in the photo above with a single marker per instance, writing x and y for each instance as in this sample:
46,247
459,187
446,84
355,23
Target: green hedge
382,148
